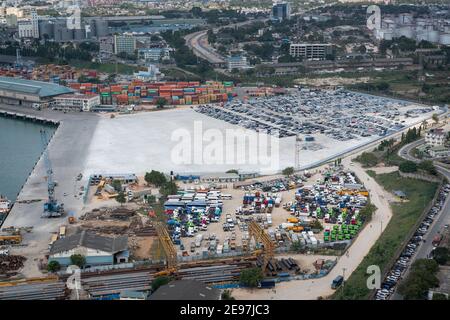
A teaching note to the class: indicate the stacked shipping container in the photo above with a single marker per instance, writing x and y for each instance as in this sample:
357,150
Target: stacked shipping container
176,93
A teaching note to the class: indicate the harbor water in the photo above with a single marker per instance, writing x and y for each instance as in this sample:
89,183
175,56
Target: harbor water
20,149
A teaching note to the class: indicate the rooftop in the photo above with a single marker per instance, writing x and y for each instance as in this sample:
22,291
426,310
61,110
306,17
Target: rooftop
186,290
43,89
91,241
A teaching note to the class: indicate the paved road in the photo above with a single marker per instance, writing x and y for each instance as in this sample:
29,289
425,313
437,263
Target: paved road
442,219
67,150
198,42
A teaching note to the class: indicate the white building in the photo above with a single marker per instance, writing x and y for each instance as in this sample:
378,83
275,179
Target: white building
29,28
310,51
76,102
237,62
152,74
435,137
439,152
124,43
154,54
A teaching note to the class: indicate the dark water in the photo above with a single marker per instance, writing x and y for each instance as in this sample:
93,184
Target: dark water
20,149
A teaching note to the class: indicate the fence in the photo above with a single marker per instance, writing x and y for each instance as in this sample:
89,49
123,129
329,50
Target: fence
420,176
400,249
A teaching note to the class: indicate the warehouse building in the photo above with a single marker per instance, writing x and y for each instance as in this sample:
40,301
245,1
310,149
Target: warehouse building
29,93
310,51
76,102
98,250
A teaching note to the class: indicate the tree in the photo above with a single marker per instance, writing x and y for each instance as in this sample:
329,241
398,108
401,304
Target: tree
251,277
78,260
120,198
155,178
422,277
168,188
226,295
233,171
161,102
427,166
441,255
53,266
408,166
159,281
435,118
367,159
288,171
117,185
439,296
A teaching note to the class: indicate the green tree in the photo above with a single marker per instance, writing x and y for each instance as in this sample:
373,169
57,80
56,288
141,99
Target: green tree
117,185
428,166
168,188
408,166
53,266
367,159
251,277
226,295
120,198
288,171
160,281
78,260
439,296
441,255
233,171
155,178
161,102
421,278
435,118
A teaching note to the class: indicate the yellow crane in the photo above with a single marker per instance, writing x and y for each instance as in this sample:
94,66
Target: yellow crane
169,249
268,252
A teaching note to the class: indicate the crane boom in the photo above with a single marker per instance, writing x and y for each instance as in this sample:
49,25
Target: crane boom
51,208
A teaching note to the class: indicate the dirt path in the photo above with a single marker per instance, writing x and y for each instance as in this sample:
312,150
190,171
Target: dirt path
312,289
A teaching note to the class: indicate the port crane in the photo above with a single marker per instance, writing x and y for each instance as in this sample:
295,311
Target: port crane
51,208
268,252
168,248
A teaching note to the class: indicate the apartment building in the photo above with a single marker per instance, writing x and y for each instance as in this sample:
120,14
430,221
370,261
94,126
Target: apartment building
435,137
310,51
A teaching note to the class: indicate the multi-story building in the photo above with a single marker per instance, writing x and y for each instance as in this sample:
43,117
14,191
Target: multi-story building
76,102
435,137
106,45
439,152
310,51
281,11
238,62
29,28
124,43
154,54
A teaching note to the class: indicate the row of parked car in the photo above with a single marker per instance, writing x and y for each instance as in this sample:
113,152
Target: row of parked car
402,263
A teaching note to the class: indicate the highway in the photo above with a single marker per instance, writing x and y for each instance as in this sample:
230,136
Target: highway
442,219
198,43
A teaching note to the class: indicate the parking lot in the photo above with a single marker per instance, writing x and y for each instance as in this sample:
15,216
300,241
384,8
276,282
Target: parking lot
398,271
337,114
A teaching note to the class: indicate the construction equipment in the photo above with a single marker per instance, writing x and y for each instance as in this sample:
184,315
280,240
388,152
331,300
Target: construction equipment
71,219
268,252
168,248
10,239
51,208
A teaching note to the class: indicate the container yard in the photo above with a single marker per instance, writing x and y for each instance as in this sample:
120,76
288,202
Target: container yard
174,93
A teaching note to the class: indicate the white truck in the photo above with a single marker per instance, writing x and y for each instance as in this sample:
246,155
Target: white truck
269,219
198,240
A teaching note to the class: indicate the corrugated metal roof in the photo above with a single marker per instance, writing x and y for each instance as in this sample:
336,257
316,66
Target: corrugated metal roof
43,89
91,241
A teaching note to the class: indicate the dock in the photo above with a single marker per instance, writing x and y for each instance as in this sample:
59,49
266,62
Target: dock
16,115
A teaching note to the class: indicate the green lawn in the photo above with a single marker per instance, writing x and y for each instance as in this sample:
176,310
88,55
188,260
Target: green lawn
105,67
405,215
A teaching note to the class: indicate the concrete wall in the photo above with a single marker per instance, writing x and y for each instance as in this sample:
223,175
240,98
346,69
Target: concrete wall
90,260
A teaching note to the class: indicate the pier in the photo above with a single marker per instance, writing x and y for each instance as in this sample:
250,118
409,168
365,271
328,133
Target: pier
16,115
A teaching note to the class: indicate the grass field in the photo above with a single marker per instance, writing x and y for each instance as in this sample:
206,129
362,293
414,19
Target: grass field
405,215
105,67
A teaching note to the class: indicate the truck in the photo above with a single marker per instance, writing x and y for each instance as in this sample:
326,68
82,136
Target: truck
437,240
337,282
266,283
198,240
